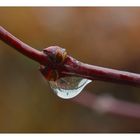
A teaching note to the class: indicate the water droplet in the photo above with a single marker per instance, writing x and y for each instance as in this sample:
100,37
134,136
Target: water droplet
68,87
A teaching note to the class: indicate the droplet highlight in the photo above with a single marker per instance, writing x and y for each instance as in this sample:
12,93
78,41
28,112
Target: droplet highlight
68,87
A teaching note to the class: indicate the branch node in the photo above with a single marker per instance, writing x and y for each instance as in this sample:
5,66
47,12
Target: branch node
56,57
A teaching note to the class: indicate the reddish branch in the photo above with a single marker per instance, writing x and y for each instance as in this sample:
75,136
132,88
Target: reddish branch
108,104
22,47
70,66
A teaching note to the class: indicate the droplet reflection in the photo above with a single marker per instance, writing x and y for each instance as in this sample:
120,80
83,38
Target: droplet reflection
68,87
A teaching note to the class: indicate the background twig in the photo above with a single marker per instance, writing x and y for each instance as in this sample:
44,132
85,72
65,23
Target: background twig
108,104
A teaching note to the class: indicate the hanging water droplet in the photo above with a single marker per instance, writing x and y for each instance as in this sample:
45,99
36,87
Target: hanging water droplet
68,87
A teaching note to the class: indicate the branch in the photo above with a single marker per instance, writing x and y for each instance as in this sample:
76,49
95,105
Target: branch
55,63
108,104
22,47
76,68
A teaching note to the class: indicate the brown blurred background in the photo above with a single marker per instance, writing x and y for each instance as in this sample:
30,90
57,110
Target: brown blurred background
108,37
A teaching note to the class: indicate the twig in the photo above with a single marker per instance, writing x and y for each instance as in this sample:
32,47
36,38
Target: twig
23,48
55,63
107,104
76,68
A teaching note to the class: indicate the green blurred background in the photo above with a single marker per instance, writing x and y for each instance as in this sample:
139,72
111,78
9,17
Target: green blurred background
107,37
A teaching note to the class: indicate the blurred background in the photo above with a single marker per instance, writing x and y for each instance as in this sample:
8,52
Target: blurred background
107,37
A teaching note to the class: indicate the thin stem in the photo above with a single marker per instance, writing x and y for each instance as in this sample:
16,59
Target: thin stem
92,72
108,104
23,48
70,67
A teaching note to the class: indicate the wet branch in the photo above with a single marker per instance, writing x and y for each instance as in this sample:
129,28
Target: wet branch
23,48
59,64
